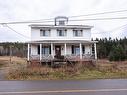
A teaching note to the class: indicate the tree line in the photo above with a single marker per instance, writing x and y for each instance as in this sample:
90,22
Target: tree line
13,49
113,49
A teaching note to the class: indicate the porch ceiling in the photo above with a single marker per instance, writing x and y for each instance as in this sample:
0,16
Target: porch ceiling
63,41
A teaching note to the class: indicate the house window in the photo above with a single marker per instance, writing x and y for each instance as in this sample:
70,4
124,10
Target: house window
61,22
61,32
46,50
76,50
44,32
77,33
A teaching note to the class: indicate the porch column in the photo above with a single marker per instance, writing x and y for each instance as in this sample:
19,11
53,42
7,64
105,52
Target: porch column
95,51
80,46
40,52
28,52
52,53
65,49
91,49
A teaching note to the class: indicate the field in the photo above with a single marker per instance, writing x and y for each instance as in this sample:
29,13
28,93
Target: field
17,69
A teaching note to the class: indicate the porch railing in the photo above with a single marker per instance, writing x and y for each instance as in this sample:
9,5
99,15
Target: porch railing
37,57
34,57
70,57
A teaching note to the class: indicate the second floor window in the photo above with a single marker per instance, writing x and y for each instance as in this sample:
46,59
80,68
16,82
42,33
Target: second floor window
77,33
44,32
61,32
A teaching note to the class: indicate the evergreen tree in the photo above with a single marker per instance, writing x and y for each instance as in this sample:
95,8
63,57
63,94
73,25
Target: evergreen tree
117,53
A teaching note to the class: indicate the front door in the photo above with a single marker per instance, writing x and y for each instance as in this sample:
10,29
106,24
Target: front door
58,50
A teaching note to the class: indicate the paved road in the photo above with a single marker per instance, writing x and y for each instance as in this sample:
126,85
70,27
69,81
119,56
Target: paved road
68,87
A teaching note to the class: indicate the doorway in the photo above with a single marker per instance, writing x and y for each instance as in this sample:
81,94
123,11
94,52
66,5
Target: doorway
57,50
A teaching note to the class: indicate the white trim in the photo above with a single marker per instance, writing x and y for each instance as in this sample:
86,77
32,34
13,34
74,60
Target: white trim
63,41
59,26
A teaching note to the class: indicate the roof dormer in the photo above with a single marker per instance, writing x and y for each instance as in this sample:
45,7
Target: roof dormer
61,20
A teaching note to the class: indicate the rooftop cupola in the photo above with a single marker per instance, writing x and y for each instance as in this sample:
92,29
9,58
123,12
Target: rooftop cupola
61,20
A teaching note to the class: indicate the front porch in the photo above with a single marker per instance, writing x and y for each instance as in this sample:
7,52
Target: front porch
51,51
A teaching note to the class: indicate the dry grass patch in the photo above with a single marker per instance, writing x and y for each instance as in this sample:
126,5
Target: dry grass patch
103,70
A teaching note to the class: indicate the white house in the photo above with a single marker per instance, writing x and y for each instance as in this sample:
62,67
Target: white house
49,42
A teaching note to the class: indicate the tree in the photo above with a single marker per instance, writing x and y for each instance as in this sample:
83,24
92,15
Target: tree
117,53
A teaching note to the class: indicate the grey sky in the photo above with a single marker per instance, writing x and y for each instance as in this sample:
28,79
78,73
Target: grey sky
23,10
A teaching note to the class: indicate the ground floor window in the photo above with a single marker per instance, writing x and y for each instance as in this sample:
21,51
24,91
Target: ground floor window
45,50
76,50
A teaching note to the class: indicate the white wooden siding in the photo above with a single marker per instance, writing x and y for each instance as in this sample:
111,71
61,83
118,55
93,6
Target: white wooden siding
35,35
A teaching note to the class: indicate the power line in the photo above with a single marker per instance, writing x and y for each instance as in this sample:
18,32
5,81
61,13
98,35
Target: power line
25,22
117,28
17,32
98,13
115,18
29,21
51,19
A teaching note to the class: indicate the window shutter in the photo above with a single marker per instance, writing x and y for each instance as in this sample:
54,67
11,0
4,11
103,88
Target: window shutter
83,49
72,48
38,49
50,50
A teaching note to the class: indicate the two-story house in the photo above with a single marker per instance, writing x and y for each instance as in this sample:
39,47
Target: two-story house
49,42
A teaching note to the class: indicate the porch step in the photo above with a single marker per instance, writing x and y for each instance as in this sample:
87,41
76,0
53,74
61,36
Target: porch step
57,63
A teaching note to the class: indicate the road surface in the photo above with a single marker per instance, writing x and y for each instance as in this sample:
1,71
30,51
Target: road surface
65,87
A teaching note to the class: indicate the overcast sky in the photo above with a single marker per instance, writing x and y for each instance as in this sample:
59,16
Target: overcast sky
24,10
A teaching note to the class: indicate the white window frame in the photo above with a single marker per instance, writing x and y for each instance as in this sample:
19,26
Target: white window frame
62,22
44,33
45,50
78,33
62,34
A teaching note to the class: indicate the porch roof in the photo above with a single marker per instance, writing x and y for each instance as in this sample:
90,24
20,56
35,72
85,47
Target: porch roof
63,41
